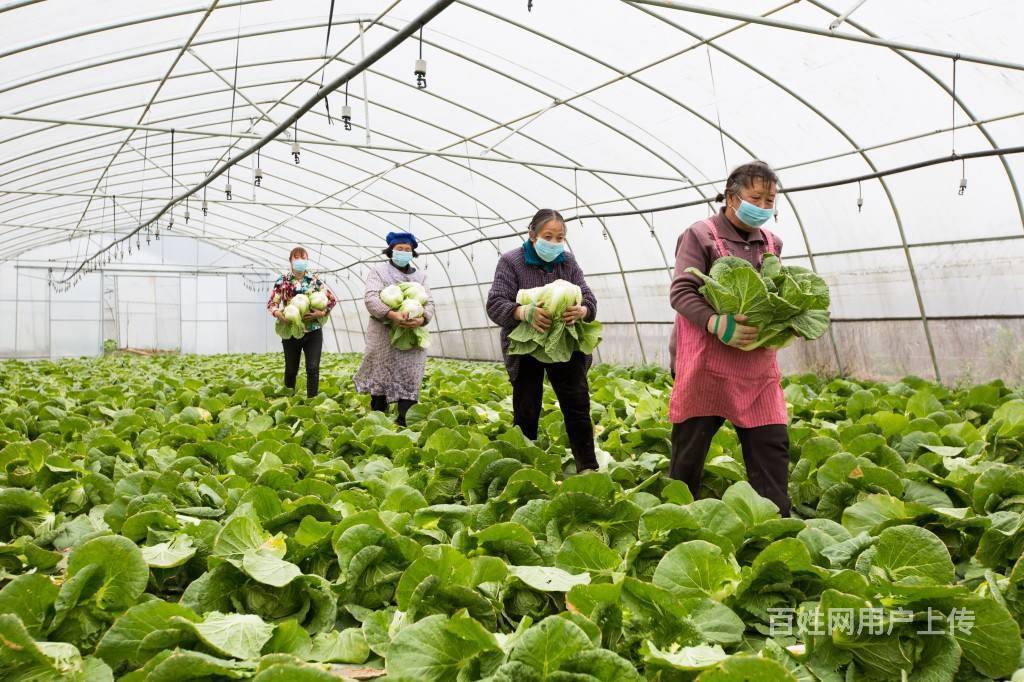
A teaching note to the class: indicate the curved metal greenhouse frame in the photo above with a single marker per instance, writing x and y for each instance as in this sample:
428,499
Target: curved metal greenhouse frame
119,120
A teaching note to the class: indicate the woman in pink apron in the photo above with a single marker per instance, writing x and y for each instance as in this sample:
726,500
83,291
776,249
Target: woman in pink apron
714,379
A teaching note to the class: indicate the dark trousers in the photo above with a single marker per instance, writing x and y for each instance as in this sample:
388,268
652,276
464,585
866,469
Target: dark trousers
569,380
765,453
380,404
311,344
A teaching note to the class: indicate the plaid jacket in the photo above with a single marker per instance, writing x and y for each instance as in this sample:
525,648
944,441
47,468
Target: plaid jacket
513,274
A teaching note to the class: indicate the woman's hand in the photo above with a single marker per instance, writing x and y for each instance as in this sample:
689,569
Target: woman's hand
313,315
400,319
279,315
535,315
574,314
742,335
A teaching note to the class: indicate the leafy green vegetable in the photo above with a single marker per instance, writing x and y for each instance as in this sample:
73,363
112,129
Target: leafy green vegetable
561,340
408,298
783,301
184,518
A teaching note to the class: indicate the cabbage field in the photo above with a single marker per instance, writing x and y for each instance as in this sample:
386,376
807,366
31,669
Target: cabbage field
184,518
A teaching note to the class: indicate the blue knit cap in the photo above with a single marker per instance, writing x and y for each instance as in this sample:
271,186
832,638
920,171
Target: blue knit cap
402,238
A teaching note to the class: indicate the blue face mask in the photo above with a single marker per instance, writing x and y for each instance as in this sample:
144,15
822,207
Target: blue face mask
299,265
548,251
401,258
753,216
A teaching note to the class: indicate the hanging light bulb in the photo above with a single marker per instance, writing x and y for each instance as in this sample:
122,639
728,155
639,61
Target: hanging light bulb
206,208
776,214
187,214
963,177
227,190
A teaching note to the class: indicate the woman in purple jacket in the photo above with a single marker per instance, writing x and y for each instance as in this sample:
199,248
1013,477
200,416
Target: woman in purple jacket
543,259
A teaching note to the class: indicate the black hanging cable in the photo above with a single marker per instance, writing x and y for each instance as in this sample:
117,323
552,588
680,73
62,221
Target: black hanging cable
952,130
142,188
421,66
327,45
963,162
346,111
170,225
234,93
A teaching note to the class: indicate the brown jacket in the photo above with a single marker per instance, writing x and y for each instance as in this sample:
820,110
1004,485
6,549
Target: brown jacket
696,248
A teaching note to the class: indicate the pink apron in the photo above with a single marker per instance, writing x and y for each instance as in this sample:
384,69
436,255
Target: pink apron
713,379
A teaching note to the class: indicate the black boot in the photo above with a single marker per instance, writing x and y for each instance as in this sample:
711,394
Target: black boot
403,407
379,403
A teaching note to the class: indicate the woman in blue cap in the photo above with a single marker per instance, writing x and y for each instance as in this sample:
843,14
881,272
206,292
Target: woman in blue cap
390,375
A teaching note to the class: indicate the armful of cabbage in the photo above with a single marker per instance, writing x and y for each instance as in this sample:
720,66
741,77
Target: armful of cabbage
560,341
783,302
409,299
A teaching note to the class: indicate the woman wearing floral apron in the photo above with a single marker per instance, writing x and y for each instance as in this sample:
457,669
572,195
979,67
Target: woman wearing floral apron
388,374
299,280
715,380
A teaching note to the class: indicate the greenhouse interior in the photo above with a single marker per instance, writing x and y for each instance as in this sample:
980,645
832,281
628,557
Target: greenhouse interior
200,197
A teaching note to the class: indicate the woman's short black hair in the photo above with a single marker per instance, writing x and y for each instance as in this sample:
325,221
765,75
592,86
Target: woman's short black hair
542,216
391,250
742,177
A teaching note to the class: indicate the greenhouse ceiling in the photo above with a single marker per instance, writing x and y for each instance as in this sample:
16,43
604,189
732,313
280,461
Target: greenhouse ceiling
255,125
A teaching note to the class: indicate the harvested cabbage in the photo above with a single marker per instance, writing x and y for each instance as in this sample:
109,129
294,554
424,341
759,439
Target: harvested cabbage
782,301
561,340
409,299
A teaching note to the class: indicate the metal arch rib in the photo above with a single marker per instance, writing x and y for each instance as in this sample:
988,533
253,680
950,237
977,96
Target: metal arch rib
434,9
862,154
1014,186
790,26
135,21
631,75
142,116
473,267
